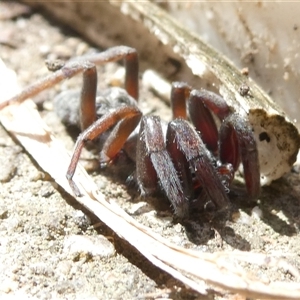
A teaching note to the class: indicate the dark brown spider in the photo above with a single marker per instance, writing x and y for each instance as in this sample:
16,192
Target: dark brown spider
188,162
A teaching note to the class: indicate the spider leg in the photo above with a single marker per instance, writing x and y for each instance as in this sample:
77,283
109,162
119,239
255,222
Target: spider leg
200,105
236,138
128,113
87,111
155,165
83,65
180,163
237,142
199,159
67,71
213,101
131,64
117,138
180,91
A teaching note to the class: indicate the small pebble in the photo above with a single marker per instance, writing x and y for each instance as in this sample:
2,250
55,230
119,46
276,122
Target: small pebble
81,219
241,218
257,212
93,245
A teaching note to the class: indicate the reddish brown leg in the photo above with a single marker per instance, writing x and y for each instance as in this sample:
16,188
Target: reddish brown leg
180,162
179,93
68,71
199,159
155,166
89,87
117,138
131,63
87,112
85,64
129,113
200,105
212,101
236,138
237,141
202,119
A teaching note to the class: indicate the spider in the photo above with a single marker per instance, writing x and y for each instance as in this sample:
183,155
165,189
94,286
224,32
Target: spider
191,161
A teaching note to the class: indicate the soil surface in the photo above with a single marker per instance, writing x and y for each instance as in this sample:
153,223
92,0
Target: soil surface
51,248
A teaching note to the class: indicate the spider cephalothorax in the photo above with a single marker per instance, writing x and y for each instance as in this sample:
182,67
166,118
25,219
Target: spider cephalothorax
190,161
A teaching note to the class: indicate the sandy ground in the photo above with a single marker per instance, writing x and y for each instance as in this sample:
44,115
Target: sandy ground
41,227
